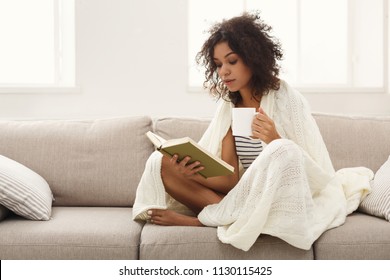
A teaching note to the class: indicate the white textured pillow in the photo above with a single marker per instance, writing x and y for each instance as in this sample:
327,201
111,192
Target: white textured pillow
23,191
377,203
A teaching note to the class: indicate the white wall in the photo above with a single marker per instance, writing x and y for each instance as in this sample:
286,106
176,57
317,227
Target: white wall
131,60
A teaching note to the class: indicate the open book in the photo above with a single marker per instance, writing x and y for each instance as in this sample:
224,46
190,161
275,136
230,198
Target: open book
213,166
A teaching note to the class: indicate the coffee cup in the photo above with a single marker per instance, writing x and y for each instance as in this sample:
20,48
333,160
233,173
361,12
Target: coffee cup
242,119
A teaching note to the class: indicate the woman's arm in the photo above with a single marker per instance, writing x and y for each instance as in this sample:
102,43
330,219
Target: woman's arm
224,184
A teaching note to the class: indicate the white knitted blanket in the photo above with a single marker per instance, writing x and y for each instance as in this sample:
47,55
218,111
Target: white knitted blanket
290,191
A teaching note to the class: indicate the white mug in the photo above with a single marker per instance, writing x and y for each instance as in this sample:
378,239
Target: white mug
242,119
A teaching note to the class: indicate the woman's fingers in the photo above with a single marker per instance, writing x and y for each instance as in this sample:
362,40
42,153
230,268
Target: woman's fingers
263,127
185,166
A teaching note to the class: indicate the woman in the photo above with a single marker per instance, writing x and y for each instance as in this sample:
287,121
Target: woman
287,189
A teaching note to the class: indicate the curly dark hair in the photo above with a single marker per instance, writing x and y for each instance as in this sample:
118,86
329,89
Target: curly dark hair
248,36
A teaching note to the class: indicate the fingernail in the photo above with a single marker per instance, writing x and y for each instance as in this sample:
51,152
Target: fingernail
150,212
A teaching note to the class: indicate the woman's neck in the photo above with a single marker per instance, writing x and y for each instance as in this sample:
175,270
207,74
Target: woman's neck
248,100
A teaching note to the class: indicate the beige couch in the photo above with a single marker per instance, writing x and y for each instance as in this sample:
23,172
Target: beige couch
93,168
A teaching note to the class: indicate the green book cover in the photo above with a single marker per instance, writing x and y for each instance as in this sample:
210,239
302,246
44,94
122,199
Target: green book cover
213,166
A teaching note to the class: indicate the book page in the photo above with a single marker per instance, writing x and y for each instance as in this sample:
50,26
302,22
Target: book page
155,139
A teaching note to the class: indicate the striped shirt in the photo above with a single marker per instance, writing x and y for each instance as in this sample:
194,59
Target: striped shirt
247,149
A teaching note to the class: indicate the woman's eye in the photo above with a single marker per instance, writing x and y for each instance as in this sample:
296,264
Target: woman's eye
218,65
233,62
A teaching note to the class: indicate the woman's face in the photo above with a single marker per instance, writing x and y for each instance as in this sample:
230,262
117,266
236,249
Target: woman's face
231,69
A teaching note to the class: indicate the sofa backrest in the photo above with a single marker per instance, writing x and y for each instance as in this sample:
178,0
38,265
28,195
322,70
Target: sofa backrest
356,140
170,128
351,141
85,162
100,162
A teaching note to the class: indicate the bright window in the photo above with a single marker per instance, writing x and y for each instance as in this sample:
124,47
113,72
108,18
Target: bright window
329,45
37,43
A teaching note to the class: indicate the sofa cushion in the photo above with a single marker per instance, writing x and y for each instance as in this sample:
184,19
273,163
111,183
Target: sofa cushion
169,128
355,141
86,162
73,233
202,243
362,237
377,203
23,191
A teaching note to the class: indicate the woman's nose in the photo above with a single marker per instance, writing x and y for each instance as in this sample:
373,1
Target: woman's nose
224,71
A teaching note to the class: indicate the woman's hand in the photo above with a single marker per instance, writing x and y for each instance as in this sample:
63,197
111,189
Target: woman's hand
184,167
263,127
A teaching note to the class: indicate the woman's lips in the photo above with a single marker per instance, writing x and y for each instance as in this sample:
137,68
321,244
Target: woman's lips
228,82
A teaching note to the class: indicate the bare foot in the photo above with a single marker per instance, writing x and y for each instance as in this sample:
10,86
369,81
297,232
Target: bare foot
172,218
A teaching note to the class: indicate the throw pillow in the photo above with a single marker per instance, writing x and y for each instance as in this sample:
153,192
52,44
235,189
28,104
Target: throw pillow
377,203
23,191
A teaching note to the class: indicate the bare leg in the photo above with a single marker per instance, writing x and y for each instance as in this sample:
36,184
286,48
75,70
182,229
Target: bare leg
187,191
